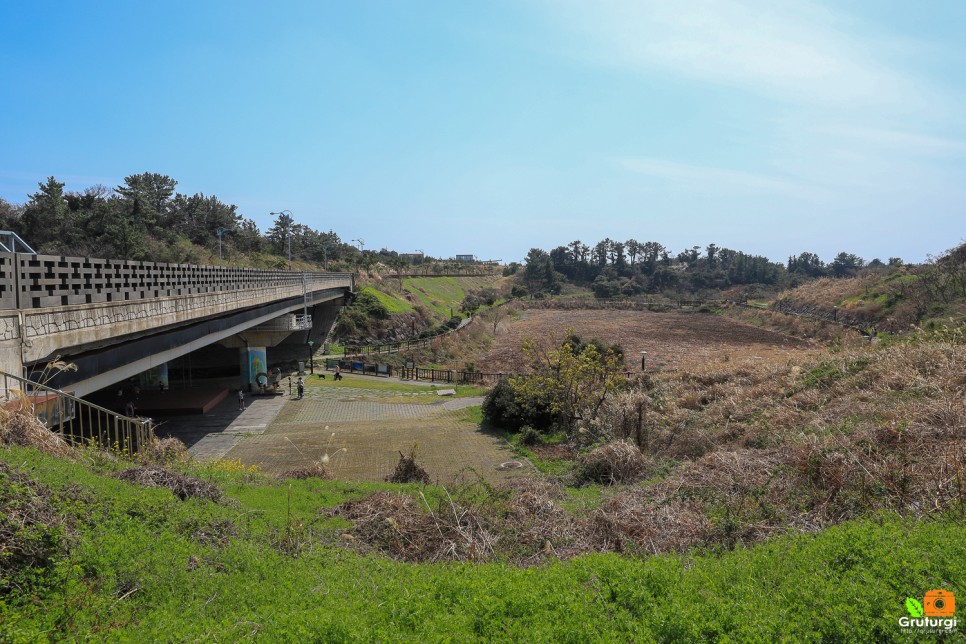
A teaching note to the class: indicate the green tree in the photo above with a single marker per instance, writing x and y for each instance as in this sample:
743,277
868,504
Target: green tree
200,217
538,274
147,196
573,380
846,265
46,217
10,215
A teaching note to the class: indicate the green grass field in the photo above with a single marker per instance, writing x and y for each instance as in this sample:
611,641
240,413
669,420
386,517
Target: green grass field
130,563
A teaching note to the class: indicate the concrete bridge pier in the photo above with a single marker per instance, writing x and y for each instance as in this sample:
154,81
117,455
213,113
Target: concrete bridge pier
252,346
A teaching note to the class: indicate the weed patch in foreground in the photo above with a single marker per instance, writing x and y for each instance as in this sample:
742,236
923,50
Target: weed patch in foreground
141,564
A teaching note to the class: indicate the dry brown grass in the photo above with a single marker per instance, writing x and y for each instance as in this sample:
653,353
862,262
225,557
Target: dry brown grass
748,448
181,485
163,450
316,470
673,340
31,530
851,431
396,525
21,428
612,463
408,471
826,292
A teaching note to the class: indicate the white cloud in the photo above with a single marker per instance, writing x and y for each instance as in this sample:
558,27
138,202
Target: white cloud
720,179
792,49
904,141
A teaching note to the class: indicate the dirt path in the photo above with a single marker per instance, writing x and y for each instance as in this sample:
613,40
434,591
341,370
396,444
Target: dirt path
363,431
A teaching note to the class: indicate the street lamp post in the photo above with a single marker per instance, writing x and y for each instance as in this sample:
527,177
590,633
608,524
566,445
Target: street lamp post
221,233
362,252
287,219
311,362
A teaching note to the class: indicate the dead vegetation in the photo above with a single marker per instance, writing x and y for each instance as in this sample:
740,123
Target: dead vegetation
673,340
616,462
316,470
182,485
746,449
18,426
408,470
395,525
163,451
32,533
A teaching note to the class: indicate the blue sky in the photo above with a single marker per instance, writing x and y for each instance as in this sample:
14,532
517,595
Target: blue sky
491,127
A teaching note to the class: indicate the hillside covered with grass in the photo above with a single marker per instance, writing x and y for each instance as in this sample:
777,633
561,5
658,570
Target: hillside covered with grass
390,308
89,554
889,300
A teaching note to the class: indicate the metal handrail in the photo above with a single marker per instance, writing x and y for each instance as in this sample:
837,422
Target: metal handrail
78,421
11,242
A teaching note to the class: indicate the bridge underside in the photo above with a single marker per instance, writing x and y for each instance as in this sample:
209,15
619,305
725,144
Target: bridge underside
102,366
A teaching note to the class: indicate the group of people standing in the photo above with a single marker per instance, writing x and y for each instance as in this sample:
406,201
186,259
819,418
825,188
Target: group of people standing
299,387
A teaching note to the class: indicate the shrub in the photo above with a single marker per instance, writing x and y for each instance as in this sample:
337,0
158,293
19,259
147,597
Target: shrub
617,462
316,470
408,470
501,408
164,450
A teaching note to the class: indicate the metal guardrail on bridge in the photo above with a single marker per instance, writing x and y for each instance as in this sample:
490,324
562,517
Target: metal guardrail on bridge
77,421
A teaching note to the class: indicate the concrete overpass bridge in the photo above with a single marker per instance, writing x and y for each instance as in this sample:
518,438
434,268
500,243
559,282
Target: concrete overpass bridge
117,319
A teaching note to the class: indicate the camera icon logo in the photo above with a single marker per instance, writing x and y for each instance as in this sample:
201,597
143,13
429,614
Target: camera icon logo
939,603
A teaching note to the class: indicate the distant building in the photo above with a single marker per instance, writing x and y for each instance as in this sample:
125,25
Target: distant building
410,257
492,262
466,258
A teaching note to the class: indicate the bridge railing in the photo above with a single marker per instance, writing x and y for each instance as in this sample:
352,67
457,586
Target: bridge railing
38,281
77,421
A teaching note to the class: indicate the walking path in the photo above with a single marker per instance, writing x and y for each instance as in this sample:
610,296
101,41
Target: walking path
211,436
362,431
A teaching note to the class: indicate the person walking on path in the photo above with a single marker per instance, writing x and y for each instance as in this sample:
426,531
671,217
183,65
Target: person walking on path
338,373
241,400
301,388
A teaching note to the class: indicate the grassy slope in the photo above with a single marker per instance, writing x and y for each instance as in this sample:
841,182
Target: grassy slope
893,299
440,294
392,303
146,566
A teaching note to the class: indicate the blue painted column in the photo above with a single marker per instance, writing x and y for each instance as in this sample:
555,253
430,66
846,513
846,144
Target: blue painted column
254,365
